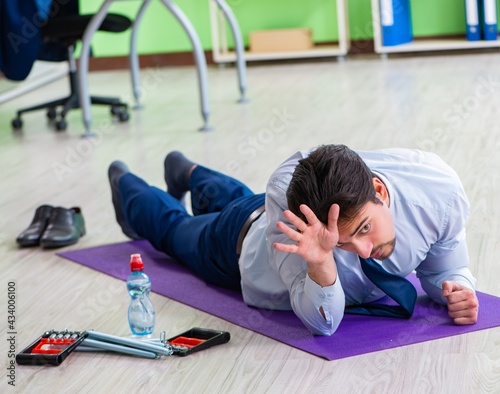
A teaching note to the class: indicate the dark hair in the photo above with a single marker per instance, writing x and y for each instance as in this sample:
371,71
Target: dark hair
331,174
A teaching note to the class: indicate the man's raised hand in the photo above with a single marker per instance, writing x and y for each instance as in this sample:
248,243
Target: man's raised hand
313,241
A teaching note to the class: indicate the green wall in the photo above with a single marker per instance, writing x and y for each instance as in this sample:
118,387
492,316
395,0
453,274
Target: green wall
161,33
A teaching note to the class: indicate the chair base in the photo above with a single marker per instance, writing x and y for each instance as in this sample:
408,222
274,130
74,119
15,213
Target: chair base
117,107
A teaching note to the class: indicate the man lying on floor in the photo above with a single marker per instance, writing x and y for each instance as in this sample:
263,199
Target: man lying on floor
335,231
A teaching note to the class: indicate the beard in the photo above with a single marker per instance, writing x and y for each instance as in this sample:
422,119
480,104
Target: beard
387,248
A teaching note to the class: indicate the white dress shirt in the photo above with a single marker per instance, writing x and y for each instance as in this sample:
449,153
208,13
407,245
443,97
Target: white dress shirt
429,208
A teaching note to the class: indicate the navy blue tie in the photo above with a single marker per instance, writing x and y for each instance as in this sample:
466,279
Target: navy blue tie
396,287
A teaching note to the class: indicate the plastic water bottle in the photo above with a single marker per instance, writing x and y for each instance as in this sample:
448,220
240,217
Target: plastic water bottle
141,314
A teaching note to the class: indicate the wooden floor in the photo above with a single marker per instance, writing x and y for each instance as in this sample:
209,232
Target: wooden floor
446,104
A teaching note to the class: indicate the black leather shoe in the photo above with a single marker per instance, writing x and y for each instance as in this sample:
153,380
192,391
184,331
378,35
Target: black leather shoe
65,227
31,236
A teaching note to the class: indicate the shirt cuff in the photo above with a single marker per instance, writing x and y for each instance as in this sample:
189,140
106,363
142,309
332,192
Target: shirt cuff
322,296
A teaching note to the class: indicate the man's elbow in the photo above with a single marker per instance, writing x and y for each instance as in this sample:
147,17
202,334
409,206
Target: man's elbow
324,330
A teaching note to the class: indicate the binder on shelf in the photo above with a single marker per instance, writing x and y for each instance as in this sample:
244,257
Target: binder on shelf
473,32
395,20
489,19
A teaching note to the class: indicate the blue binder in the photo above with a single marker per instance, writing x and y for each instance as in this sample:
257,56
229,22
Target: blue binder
489,19
395,17
473,32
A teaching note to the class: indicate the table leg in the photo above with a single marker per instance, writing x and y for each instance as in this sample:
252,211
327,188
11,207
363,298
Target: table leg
83,70
238,43
133,56
199,55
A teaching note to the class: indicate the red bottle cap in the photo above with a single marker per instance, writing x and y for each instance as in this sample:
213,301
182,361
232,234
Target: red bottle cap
136,263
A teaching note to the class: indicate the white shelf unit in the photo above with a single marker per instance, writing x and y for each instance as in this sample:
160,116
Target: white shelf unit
222,54
439,44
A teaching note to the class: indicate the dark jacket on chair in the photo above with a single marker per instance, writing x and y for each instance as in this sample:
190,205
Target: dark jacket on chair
20,35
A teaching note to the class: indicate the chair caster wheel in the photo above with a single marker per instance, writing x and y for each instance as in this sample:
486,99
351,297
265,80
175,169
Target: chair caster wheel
17,123
116,110
123,116
51,113
61,125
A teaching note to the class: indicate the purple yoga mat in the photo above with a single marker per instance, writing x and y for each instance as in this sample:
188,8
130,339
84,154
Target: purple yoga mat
356,334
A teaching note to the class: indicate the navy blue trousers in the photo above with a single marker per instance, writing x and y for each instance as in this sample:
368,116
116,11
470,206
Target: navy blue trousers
205,241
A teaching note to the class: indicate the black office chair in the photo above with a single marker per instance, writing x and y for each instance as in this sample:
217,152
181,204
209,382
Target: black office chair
60,36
